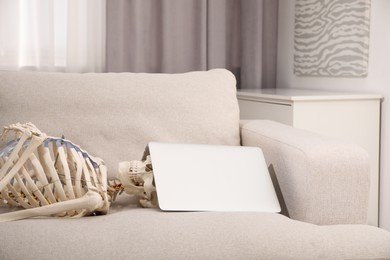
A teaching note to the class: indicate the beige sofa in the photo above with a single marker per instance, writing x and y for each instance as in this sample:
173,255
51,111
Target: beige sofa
322,183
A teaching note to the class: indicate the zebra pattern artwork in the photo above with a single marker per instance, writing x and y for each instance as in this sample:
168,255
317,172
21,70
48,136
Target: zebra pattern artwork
331,38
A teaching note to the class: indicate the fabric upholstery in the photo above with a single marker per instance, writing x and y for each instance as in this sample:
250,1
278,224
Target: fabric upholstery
134,233
114,116
323,180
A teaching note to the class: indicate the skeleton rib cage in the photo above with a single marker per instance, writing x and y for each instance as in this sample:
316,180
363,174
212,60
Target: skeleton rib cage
49,176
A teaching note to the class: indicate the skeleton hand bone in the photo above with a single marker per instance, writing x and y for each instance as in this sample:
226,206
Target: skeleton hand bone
52,176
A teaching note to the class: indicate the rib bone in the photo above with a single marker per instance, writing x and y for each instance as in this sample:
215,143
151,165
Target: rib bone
52,176
49,175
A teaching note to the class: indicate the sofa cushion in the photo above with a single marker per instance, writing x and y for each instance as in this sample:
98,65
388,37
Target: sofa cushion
134,233
115,115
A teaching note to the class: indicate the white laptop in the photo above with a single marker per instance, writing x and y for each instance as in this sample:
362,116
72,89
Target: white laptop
192,177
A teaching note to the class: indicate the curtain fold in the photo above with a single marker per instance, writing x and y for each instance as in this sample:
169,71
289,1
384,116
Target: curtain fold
53,35
177,36
86,31
145,35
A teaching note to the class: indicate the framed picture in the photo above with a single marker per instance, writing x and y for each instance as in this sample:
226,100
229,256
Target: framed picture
331,38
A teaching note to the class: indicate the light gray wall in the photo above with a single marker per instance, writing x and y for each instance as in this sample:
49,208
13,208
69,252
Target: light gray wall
377,81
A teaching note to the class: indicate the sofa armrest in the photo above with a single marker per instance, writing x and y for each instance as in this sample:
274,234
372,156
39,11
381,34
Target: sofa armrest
319,179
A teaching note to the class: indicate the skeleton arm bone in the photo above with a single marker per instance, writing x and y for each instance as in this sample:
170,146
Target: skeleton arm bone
91,201
49,176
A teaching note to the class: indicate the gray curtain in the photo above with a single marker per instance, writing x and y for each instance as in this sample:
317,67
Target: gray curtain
171,36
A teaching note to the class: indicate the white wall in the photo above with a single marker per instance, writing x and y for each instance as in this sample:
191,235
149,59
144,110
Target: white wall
378,80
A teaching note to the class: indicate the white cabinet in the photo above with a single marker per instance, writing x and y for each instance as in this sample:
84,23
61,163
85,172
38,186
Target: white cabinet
349,116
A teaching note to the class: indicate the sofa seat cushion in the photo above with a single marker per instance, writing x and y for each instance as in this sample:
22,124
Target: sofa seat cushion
114,115
136,233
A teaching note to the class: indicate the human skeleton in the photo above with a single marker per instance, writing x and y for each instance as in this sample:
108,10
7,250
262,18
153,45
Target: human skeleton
50,176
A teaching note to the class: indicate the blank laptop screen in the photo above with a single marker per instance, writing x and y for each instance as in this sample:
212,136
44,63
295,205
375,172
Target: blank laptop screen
192,177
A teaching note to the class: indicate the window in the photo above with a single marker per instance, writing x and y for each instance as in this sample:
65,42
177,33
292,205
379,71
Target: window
52,35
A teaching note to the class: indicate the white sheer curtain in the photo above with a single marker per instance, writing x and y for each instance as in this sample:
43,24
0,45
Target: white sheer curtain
53,35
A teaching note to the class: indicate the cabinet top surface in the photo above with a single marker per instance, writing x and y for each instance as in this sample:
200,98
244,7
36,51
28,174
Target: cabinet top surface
288,94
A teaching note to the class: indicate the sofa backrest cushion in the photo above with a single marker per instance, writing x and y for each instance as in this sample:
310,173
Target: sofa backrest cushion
114,115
